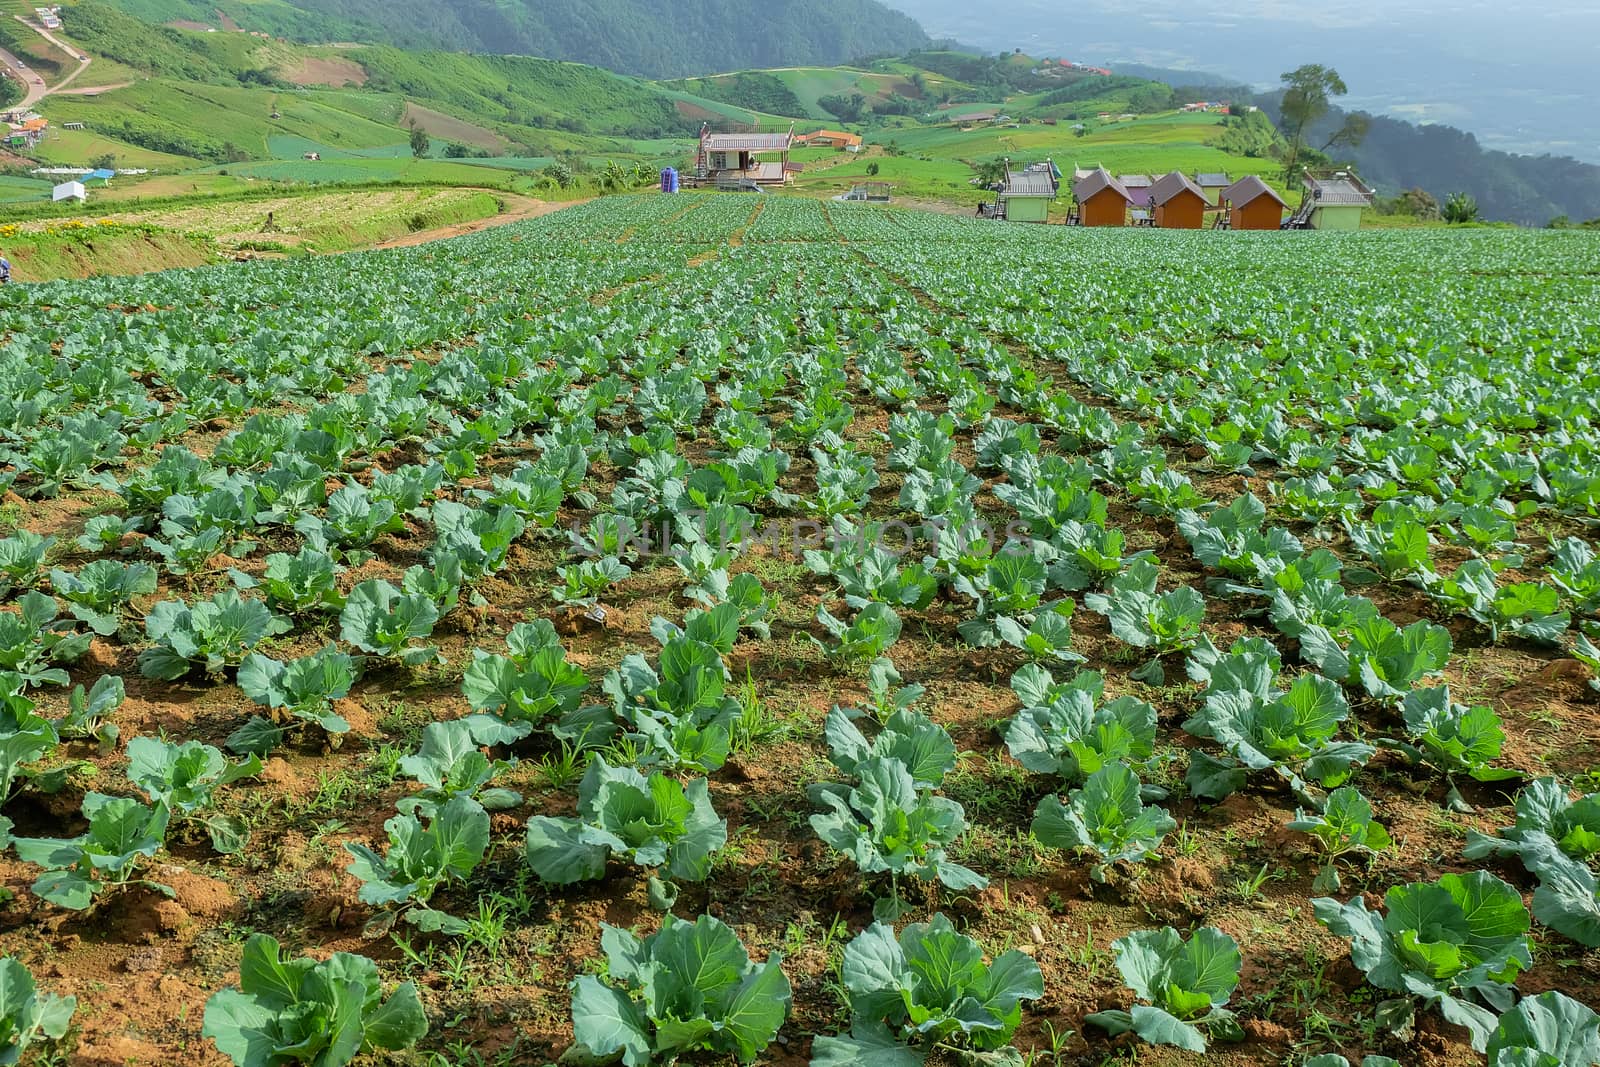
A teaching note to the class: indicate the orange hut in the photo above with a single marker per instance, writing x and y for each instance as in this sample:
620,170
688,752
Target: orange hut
1180,203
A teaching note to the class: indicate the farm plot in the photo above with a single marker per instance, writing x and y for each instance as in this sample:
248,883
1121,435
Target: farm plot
754,629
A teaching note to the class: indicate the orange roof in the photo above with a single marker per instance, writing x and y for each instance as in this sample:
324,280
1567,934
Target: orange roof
36,124
830,135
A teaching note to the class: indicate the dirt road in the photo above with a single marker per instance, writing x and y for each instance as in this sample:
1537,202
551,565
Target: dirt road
89,90
518,209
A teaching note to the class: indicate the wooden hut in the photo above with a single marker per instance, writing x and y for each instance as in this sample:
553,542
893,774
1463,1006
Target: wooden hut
1253,205
1102,200
1179,203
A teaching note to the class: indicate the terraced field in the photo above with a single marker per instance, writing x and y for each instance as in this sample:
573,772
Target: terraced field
987,644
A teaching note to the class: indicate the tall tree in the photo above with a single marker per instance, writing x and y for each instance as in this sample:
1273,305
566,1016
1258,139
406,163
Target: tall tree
420,143
1308,92
1351,132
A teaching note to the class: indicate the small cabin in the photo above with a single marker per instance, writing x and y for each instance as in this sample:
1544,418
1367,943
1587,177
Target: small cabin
1101,199
1212,185
1253,205
69,191
1025,195
729,159
1333,203
1179,203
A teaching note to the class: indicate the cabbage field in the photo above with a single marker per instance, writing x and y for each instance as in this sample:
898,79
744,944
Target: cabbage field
735,629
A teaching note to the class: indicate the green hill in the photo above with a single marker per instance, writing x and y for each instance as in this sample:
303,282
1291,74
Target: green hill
630,36
254,106
228,96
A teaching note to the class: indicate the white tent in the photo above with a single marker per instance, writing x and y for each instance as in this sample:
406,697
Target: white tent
69,191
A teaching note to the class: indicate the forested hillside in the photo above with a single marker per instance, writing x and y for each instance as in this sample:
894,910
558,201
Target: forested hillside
629,36
1530,190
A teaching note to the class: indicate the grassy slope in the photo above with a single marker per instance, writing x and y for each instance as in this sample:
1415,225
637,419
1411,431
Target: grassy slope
71,148
335,221
200,121
71,252
532,96
936,160
530,109
809,84
208,93
185,228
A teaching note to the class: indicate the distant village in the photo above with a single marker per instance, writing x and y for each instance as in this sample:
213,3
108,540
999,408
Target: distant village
1060,68
729,161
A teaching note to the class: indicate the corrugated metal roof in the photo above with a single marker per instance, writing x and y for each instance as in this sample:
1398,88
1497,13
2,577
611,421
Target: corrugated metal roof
1249,189
1029,183
1212,181
1095,182
746,142
1171,185
1336,192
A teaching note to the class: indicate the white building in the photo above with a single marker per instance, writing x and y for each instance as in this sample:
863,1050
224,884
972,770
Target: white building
69,191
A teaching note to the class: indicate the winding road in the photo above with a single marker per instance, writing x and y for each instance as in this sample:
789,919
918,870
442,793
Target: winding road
34,88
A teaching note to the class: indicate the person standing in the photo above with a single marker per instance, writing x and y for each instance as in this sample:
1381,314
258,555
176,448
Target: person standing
5,269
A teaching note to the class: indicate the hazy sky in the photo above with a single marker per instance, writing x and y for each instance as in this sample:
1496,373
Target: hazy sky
1520,76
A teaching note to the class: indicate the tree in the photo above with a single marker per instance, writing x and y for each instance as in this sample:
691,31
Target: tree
1351,132
1418,203
558,174
456,150
991,172
844,108
872,169
1459,208
1308,93
614,179
104,161
420,144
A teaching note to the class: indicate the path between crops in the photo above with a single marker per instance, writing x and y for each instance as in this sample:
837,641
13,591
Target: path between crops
518,209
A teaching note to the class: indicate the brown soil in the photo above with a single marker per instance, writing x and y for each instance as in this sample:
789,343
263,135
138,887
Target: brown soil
331,71
518,209
143,965
448,127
